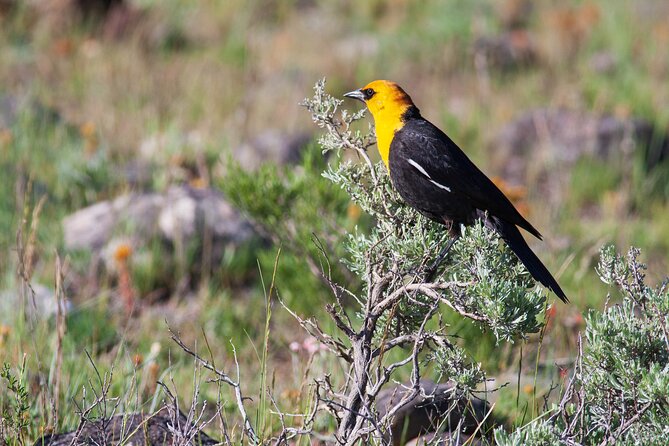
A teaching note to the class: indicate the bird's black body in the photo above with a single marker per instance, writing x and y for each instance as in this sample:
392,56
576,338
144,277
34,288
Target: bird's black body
433,175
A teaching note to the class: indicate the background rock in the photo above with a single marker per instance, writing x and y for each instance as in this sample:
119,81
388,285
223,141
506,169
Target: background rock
39,303
139,429
186,221
564,136
271,146
179,215
92,227
190,212
438,410
11,108
513,49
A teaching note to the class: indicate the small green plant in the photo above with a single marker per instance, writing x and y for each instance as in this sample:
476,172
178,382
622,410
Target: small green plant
16,412
299,210
619,392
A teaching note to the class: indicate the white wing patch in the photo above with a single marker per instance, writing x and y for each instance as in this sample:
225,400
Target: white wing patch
427,175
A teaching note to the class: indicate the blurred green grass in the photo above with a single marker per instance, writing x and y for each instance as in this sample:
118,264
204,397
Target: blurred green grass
225,72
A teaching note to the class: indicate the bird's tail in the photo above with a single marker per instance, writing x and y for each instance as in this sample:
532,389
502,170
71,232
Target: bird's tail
513,238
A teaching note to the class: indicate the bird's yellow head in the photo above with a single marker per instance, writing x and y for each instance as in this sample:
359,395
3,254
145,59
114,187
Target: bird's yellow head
388,103
383,98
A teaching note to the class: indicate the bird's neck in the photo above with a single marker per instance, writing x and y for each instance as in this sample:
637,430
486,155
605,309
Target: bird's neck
389,120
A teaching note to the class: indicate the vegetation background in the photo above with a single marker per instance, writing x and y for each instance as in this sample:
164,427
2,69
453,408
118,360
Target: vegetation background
100,101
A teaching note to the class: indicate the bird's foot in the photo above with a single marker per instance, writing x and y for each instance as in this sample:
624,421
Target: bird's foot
432,269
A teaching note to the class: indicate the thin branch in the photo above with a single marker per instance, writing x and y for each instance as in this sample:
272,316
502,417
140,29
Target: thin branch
222,377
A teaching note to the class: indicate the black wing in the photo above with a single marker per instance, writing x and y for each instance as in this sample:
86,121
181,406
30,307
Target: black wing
446,164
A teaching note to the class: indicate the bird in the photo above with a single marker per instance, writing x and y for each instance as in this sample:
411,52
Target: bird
435,177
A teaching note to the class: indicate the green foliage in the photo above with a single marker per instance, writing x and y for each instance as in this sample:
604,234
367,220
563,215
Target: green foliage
405,234
501,288
46,157
626,357
620,391
296,208
92,327
15,413
538,433
650,184
590,180
52,152
454,364
153,268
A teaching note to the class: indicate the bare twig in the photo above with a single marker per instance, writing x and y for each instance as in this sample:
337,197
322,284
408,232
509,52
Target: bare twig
225,378
100,399
60,334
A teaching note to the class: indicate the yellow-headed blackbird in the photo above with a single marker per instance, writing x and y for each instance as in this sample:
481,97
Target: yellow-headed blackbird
434,176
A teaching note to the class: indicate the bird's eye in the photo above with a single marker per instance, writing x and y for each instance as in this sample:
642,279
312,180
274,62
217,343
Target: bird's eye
368,92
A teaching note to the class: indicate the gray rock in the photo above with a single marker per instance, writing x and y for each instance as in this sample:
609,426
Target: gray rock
564,136
8,111
12,107
603,62
189,212
133,429
507,51
91,228
37,301
273,147
180,216
437,409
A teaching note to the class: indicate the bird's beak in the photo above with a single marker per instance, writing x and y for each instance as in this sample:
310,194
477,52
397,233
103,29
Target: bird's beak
355,94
